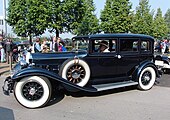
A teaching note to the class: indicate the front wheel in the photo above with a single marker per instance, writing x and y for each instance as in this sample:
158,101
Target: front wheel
147,78
33,91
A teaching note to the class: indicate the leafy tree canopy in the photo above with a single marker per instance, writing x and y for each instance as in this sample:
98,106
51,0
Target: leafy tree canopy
160,27
143,19
28,17
115,18
89,23
33,17
167,19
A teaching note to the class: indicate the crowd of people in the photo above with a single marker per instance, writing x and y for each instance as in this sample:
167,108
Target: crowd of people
55,45
8,48
162,46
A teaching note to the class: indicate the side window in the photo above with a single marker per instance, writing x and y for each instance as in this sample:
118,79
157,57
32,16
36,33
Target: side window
104,46
145,46
101,46
129,45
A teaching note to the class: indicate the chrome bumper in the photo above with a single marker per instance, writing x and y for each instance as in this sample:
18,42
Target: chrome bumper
8,86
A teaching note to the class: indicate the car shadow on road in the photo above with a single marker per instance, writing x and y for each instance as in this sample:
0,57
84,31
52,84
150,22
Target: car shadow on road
107,92
57,96
164,81
6,114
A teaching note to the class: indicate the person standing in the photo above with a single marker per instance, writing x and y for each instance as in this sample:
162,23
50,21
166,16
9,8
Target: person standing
168,45
55,44
163,46
44,47
62,46
9,49
37,46
2,50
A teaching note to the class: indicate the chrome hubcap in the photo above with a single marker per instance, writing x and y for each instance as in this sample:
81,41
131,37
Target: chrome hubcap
76,73
146,78
32,91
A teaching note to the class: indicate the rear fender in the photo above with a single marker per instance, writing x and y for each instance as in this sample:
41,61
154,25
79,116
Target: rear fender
51,75
142,66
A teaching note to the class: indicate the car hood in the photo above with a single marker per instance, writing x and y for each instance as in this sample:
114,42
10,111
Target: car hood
59,55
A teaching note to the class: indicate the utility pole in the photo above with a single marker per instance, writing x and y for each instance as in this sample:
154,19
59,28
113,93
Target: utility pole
4,17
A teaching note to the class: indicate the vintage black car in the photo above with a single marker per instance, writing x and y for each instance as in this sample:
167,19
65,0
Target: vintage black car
96,63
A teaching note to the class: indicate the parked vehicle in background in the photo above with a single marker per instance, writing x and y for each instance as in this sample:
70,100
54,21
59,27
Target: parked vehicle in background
163,62
96,63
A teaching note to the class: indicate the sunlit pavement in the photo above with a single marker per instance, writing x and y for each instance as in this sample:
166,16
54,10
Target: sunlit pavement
129,104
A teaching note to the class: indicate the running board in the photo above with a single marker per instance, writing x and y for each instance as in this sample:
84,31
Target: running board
109,86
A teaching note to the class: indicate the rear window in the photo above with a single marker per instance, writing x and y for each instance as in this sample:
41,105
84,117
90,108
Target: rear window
129,45
145,46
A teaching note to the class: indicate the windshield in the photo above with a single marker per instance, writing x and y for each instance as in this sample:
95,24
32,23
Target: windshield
80,45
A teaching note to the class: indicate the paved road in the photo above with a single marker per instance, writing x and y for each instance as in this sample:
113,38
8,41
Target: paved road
124,104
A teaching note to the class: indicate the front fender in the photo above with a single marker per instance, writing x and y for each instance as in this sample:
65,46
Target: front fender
34,71
49,74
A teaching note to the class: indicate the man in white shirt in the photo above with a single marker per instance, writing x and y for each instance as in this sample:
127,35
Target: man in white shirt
37,46
163,46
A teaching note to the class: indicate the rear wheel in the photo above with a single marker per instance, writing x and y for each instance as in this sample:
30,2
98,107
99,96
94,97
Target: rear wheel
147,78
33,91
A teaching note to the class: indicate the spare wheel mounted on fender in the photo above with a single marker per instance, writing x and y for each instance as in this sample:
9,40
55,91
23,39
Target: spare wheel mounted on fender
76,71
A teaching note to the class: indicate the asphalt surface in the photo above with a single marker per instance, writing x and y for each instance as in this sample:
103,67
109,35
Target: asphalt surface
120,104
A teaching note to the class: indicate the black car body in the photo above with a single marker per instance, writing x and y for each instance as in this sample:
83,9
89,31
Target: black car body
128,61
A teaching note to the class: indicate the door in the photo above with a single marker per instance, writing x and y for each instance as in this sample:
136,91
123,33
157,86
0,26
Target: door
103,63
128,56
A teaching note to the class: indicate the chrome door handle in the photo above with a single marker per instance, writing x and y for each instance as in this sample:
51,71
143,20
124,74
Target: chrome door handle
118,56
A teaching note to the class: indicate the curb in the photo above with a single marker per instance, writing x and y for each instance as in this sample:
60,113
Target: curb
6,66
4,69
4,72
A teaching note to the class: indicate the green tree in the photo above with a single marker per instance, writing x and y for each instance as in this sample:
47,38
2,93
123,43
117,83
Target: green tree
28,17
89,23
167,20
160,27
143,19
115,18
65,15
33,17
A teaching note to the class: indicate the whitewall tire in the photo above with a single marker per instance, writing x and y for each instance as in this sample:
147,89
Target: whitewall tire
33,91
76,71
147,78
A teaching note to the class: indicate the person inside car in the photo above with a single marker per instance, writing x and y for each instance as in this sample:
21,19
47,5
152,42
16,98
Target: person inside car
103,47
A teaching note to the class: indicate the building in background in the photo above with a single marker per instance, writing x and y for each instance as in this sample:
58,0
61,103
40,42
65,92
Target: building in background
1,24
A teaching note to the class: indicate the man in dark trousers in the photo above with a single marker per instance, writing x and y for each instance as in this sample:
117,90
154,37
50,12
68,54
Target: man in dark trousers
9,48
54,45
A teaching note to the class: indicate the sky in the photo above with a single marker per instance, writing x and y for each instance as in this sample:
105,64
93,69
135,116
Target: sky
155,4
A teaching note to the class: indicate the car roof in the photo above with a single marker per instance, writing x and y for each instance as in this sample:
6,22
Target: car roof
114,35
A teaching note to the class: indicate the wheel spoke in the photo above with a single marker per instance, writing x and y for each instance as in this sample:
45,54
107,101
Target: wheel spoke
32,91
75,73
